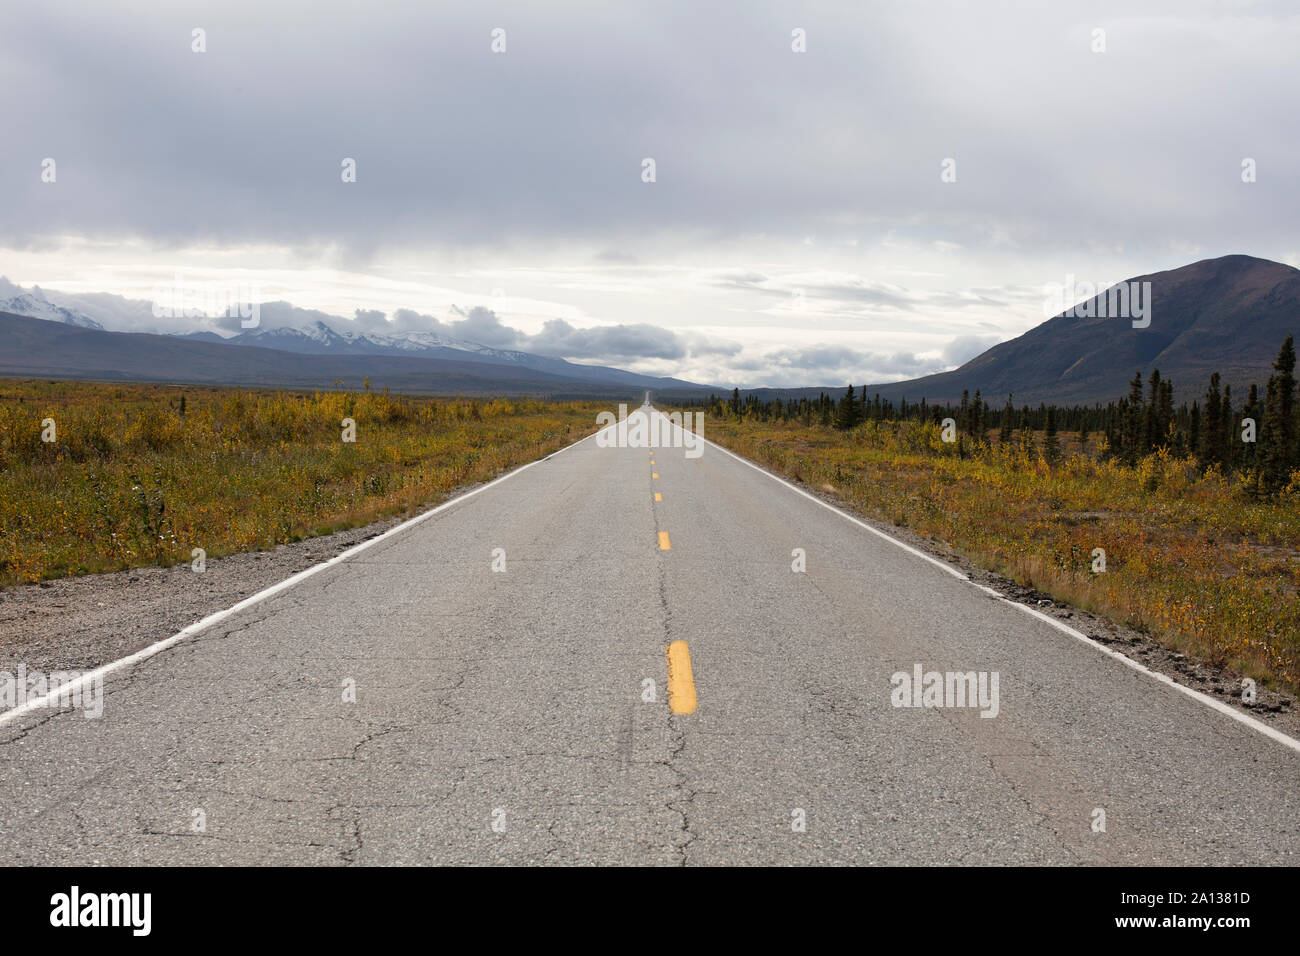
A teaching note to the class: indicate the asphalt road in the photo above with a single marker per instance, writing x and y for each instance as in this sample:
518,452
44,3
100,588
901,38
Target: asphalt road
503,716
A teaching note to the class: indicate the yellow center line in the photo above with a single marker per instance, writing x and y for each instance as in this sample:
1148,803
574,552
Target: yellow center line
654,474
681,682
664,543
658,497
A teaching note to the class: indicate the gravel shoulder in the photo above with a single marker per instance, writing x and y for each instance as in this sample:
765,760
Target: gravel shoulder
84,622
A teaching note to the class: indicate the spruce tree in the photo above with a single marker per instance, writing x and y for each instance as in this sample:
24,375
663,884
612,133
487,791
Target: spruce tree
1051,448
1227,446
1008,422
846,415
1212,424
1026,429
1165,419
1133,421
1114,434
1278,454
1152,435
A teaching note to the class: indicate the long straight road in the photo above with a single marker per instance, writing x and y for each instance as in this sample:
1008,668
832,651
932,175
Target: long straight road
490,684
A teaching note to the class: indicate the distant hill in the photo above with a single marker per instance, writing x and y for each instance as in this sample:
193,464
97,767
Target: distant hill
288,328
1226,315
322,338
42,348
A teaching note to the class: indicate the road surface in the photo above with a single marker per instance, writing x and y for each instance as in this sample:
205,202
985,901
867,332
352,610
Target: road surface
525,715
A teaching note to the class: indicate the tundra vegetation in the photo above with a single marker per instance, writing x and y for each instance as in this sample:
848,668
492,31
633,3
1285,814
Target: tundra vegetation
1200,529
144,474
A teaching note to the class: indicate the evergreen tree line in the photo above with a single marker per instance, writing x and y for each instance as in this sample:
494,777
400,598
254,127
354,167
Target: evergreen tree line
1261,437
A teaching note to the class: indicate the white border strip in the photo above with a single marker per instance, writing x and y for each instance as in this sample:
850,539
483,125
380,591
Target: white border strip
145,653
1271,732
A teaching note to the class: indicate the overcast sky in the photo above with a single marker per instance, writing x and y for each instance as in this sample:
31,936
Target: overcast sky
798,230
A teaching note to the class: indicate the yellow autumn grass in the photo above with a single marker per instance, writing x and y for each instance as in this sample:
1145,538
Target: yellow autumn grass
130,479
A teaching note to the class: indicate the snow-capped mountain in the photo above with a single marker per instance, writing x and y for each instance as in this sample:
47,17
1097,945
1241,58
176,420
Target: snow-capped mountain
283,326
318,337
287,328
37,306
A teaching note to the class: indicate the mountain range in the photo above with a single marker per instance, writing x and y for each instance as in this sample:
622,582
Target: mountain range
1226,315
320,338
40,348
320,352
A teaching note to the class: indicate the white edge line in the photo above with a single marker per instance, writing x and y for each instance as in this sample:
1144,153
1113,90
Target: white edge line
1272,733
73,687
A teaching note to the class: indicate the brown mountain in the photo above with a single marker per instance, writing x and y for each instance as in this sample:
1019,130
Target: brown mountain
1226,315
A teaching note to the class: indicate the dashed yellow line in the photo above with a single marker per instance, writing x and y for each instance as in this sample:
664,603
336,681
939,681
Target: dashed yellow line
658,497
664,543
681,682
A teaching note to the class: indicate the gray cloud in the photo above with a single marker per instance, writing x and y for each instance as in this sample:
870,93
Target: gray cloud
853,291
371,320
485,327
864,293
560,339
963,348
244,142
407,320
607,343
771,165
827,363
748,281
704,346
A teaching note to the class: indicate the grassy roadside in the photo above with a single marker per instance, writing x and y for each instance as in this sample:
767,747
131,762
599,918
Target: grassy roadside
1191,558
142,475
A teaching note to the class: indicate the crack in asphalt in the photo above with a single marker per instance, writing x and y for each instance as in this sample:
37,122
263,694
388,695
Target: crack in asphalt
683,793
